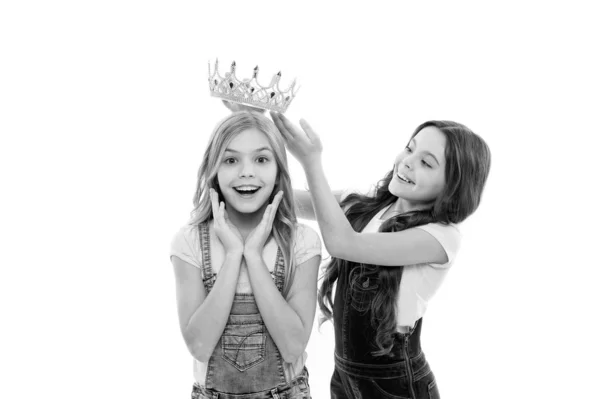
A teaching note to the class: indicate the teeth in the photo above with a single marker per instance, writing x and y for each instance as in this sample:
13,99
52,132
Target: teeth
404,178
247,188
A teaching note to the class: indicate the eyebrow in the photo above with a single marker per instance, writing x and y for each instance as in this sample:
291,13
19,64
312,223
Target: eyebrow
256,150
427,152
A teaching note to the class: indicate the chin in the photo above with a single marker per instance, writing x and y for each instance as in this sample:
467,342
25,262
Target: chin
395,189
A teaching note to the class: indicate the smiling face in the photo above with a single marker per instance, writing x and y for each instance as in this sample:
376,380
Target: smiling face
419,171
248,172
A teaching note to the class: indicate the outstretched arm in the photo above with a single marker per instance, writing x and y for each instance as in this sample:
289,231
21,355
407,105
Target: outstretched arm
304,204
408,247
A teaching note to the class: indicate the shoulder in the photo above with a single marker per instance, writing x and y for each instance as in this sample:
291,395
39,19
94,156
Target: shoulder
187,233
185,244
448,235
308,243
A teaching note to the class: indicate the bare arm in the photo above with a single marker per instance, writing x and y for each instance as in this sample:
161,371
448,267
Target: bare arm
202,318
289,322
408,247
304,205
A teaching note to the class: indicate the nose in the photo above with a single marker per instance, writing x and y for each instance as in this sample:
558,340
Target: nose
247,169
407,163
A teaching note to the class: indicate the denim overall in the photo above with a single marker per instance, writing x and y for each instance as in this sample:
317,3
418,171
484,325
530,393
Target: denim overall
246,363
360,375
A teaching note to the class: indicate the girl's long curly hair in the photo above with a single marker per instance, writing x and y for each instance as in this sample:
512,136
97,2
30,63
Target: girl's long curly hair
468,162
284,224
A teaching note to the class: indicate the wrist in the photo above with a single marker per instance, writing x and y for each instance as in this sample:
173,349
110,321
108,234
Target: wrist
252,256
234,256
312,164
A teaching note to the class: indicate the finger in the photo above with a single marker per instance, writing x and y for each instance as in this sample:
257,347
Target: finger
266,215
225,214
275,205
280,126
213,202
308,130
289,126
227,104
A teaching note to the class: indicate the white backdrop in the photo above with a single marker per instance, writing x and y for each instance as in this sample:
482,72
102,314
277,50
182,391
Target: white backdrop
105,112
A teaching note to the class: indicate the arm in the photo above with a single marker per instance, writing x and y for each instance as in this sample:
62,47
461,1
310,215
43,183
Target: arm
304,205
408,247
289,322
202,318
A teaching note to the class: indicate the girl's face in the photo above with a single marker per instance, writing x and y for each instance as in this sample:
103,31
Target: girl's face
248,171
419,171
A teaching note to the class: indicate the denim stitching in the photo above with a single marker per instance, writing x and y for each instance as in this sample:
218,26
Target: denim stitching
385,393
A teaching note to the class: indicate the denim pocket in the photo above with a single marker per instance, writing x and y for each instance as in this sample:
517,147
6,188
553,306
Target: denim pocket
362,289
432,389
244,344
389,389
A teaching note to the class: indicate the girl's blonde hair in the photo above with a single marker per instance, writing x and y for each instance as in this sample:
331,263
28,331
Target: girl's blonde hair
284,224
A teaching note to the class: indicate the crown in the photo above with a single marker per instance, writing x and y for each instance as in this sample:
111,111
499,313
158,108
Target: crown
249,91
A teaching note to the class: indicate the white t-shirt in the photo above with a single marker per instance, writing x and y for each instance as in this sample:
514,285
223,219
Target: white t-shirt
420,282
186,246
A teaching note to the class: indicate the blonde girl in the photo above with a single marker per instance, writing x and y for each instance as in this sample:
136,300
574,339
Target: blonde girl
245,269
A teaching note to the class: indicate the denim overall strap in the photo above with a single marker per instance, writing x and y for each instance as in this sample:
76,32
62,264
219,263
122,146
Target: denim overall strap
279,271
208,277
246,359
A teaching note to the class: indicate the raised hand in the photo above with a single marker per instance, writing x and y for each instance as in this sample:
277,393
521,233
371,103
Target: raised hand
257,238
305,145
227,233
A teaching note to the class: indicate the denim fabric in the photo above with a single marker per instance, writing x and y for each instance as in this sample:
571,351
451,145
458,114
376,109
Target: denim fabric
246,363
298,388
360,375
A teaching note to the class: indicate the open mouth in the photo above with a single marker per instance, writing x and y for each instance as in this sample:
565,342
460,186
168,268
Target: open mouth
247,190
404,178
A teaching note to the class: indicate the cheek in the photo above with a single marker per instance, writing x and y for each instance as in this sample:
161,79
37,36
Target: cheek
270,175
224,177
438,183
399,158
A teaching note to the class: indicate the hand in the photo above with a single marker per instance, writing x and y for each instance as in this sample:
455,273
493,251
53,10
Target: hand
227,233
235,107
305,146
257,238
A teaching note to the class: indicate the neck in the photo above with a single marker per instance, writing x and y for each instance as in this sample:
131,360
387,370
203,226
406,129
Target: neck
404,206
245,222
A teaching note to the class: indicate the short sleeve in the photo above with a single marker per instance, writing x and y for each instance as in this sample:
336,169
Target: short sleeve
308,244
448,236
186,246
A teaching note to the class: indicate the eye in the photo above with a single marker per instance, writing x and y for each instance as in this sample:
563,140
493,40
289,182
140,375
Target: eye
426,164
229,160
407,149
262,159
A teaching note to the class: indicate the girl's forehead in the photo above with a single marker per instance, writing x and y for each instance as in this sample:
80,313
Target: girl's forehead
249,140
430,139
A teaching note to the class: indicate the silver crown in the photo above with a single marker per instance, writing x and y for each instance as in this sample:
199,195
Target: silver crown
249,91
